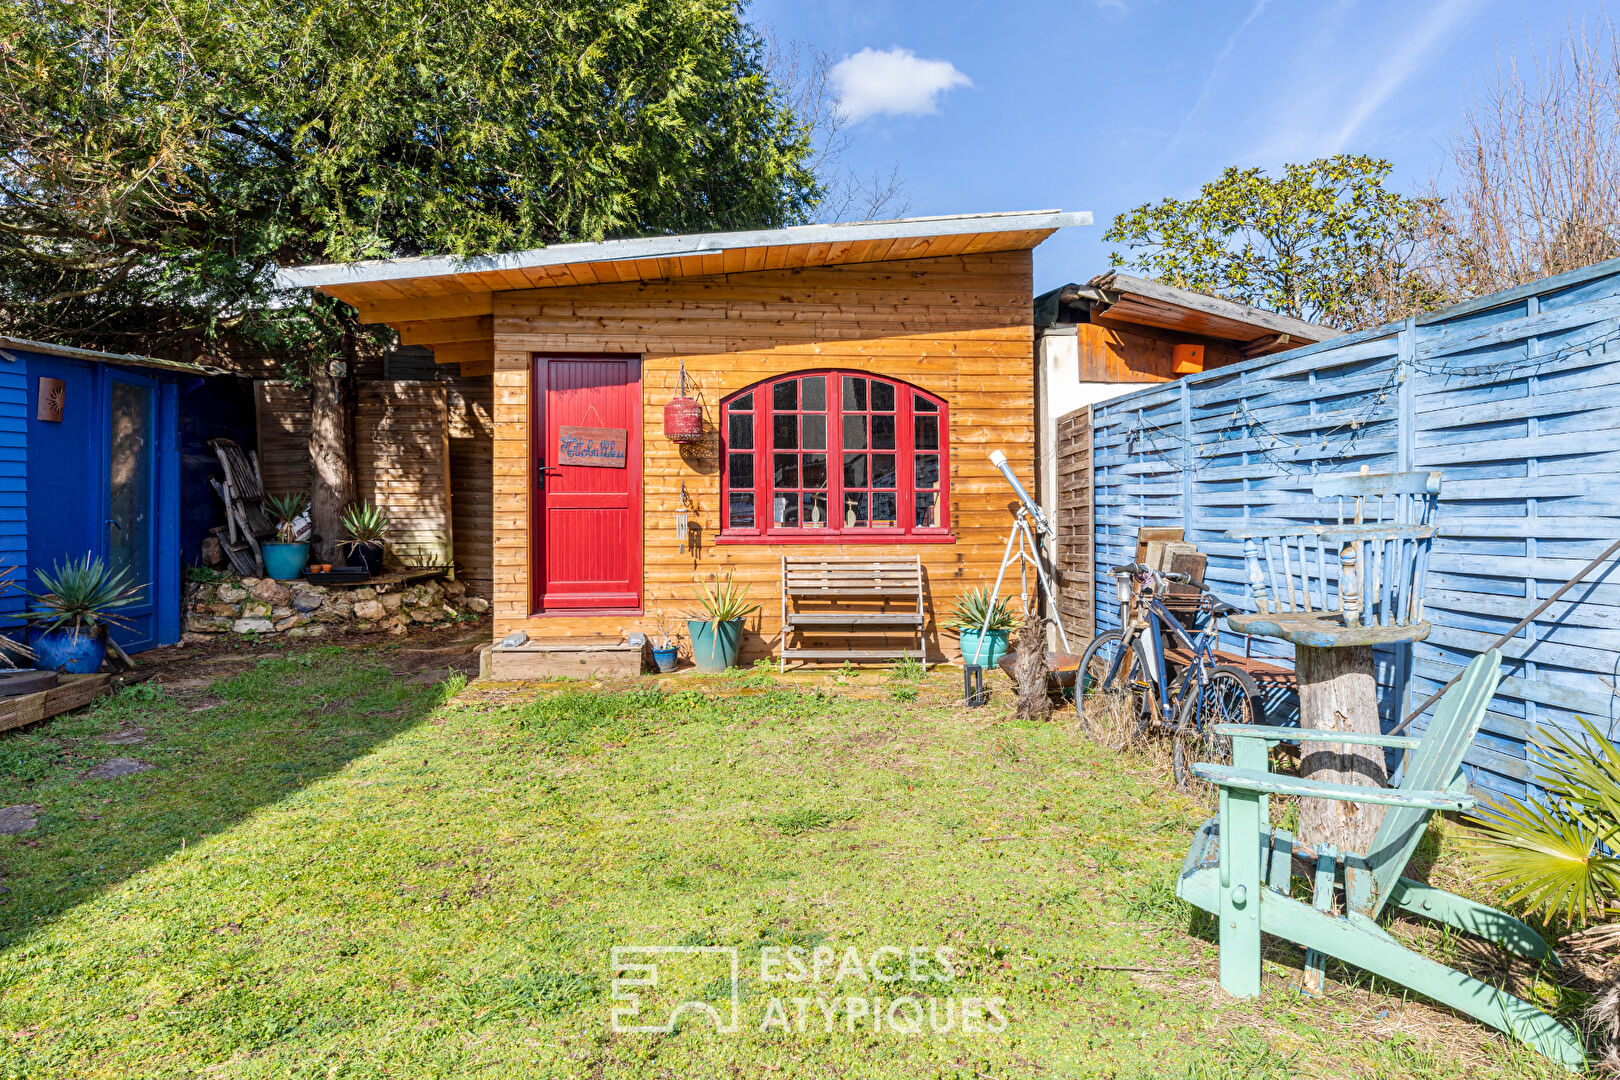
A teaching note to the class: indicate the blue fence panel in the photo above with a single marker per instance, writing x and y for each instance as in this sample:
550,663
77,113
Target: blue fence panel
1515,398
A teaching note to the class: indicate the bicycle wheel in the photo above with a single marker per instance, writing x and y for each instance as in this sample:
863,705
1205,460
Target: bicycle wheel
1228,696
1110,710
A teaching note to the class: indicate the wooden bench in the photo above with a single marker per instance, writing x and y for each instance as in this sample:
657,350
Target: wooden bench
852,597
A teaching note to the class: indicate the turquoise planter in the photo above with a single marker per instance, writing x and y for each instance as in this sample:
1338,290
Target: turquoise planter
285,561
713,651
75,654
995,646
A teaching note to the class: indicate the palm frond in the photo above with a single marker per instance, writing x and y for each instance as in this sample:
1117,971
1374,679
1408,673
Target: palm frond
1545,860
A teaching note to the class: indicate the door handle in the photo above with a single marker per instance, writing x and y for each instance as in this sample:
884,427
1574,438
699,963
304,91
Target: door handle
114,523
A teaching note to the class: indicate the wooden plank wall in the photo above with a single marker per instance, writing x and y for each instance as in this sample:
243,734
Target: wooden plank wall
472,496
1113,352
403,466
467,434
958,326
282,413
1513,397
1074,570
14,399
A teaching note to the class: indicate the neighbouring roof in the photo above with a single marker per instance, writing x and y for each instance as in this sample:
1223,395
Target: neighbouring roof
1122,298
379,284
92,355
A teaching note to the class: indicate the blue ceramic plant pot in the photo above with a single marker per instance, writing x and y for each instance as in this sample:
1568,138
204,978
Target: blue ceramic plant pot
665,659
285,561
995,646
713,651
73,653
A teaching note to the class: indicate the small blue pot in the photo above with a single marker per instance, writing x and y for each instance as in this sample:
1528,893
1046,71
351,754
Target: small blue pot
75,654
285,561
665,659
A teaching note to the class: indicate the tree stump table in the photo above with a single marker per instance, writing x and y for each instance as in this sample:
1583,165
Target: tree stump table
1338,691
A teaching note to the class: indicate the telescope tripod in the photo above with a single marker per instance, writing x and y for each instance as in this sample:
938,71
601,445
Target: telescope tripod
1024,549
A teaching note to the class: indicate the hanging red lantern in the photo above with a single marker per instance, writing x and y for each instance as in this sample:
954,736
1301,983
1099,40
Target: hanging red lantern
683,420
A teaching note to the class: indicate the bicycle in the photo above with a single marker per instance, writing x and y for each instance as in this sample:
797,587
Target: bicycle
1204,692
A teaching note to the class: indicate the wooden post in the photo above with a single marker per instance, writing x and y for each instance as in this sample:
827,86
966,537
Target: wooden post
331,462
1337,692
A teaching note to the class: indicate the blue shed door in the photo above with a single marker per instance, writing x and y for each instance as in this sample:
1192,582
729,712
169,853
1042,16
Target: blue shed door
132,481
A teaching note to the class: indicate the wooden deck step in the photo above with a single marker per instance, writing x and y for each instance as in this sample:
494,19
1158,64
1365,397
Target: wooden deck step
873,618
855,654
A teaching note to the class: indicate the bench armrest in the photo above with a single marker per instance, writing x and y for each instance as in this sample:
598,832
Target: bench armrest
1352,738
1265,783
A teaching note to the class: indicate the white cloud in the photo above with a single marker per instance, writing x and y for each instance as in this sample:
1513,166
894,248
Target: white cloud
895,82
1217,69
1402,62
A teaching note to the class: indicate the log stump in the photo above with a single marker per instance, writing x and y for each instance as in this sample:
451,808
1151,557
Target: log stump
1338,692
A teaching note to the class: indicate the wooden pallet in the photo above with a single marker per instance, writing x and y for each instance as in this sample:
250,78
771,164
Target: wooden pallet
71,692
1264,673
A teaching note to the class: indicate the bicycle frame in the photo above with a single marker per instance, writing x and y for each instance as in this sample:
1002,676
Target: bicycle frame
1155,619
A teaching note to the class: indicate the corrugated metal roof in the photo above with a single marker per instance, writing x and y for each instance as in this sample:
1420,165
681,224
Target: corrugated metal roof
94,356
667,247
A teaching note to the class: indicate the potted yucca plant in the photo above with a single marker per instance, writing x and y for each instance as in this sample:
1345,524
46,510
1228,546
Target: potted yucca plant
366,529
968,617
76,610
716,626
286,556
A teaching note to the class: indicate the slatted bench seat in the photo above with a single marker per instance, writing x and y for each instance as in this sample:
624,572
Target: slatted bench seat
852,598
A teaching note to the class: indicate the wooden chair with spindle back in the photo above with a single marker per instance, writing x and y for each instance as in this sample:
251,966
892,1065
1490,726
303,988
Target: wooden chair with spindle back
1366,584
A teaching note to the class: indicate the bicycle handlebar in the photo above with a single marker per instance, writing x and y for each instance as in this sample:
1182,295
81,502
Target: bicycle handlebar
1142,570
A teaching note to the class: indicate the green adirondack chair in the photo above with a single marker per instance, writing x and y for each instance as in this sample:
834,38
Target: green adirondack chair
1244,882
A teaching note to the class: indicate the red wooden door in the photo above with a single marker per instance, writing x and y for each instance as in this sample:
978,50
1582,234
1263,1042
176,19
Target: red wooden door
587,518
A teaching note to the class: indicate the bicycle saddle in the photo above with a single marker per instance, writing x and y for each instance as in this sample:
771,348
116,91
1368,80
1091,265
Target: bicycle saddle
1219,607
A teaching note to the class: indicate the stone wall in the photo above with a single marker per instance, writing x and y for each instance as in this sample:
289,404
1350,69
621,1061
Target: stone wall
298,609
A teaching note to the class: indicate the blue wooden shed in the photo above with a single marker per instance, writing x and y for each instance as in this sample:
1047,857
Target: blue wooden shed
90,461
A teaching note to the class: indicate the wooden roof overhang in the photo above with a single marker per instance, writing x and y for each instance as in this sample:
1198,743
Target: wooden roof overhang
1128,299
447,302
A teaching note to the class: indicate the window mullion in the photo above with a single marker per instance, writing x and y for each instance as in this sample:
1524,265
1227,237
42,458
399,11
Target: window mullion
905,450
835,450
764,451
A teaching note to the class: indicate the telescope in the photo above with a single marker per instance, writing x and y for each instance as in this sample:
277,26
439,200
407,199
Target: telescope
1031,507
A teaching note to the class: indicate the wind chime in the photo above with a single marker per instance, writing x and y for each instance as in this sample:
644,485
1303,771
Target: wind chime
683,525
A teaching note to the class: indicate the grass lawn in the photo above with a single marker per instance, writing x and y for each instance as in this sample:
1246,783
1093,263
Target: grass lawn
333,872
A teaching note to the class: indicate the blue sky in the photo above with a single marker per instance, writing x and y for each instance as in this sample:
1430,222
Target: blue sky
1102,105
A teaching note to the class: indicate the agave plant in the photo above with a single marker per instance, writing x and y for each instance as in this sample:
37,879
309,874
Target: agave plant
286,509
10,648
723,602
969,611
365,524
83,594
1559,856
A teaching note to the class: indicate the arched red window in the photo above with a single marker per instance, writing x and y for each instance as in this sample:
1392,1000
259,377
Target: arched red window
836,456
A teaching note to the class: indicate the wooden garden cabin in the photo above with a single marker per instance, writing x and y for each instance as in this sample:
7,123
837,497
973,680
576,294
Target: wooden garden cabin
853,380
